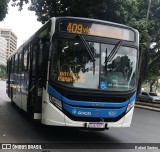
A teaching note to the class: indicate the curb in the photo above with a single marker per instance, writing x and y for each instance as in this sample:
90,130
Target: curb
146,107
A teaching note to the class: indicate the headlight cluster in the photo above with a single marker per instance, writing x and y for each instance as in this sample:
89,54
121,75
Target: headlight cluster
130,106
56,102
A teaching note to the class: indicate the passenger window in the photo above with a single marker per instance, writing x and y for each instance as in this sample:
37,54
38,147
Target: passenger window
25,60
16,63
13,64
20,63
40,55
34,60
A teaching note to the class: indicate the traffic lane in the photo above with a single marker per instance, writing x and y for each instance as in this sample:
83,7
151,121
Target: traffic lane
145,128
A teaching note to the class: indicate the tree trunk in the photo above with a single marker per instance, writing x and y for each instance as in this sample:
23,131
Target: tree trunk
156,86
143,66
151,86
149,7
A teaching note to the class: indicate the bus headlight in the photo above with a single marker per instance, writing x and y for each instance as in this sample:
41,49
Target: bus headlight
130,106
56,102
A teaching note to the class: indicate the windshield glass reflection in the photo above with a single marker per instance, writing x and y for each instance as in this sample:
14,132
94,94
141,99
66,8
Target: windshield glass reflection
120,72
72,66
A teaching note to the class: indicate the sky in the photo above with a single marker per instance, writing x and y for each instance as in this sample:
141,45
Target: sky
23,23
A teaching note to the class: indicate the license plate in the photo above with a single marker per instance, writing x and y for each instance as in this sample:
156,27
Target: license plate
96,125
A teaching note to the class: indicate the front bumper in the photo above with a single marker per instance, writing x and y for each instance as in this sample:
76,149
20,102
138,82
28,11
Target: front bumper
51,115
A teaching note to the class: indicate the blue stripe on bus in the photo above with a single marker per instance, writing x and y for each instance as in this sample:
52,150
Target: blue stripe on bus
94,112
93,104
56,94
132,98
53,92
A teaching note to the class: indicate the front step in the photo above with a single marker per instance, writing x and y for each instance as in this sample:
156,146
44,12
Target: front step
37,116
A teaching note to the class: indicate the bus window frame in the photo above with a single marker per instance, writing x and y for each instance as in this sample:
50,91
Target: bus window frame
20,60
26,52
16,70
13,66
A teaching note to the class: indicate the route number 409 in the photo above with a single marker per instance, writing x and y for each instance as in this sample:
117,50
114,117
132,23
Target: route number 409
77,28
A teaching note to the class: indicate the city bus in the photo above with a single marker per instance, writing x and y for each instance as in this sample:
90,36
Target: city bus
77,72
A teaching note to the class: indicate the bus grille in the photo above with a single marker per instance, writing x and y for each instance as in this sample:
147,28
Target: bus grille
95,98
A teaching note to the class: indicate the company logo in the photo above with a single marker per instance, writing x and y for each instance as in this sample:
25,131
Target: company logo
85,113
6,146
112,113
74,111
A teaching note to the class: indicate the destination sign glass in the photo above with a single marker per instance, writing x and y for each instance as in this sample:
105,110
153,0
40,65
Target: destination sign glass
95,29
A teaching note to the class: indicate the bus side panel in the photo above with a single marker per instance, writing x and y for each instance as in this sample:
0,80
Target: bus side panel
128,118
50,114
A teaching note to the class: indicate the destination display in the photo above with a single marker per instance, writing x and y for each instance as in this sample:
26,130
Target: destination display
95,29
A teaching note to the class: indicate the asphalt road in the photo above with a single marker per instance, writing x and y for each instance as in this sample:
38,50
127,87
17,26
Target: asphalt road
16,127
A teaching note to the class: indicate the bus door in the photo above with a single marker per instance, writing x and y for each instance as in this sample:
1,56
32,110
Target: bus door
35,89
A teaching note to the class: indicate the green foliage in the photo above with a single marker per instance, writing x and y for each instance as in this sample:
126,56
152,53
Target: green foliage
49,8
154,33
119,11
3,71
3,9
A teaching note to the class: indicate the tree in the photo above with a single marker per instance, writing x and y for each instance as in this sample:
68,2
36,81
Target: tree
112,10
153,76
150,54
3,9
49,8
3,71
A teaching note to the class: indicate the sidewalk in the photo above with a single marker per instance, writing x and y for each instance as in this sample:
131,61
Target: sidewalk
149,106
3,95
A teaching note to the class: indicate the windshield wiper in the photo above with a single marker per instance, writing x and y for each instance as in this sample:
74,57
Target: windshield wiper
89,51
87,47
114,51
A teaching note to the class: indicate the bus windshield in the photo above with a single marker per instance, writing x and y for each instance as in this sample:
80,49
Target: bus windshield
72,66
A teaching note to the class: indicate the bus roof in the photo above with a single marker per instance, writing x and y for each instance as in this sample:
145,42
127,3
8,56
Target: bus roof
68,17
